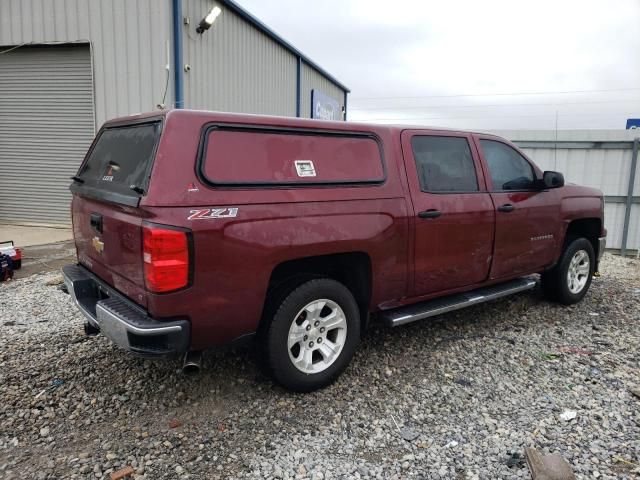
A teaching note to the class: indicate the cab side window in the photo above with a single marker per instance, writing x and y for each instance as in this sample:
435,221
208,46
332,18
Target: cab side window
444,164
508,169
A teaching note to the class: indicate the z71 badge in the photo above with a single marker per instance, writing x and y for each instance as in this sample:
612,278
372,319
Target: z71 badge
207,213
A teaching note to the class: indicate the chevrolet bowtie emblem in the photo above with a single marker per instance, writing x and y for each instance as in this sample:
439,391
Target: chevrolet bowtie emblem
97,244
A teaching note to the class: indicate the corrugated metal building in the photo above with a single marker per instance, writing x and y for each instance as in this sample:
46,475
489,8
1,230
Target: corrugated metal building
66,66
604,159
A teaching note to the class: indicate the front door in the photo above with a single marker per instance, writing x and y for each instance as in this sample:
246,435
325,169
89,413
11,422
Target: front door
454,215
526,216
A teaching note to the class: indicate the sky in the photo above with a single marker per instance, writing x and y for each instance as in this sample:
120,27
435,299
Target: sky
490,64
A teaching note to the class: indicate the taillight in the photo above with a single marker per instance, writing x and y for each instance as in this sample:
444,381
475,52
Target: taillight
166,259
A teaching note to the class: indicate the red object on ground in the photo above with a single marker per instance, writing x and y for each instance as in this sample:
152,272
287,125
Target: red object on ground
17,259
8,248
123,473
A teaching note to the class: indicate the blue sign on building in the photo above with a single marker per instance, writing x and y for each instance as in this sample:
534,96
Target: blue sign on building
633,123
324,107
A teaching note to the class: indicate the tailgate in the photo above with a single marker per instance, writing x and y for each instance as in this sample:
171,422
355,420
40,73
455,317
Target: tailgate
107,222
109,243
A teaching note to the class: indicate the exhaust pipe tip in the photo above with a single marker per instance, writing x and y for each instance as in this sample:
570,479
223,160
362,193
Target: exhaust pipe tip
90,330
192,363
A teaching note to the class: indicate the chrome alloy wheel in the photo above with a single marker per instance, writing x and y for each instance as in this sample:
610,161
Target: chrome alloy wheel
578,272
317,335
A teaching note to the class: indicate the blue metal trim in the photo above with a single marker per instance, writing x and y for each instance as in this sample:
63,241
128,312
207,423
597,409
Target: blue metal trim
238,10
345,106
177,54
298,86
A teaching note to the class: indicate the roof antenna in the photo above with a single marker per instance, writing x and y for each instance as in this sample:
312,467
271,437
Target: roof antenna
555,146
167,67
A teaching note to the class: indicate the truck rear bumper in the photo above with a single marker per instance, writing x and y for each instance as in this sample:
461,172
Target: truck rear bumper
125,323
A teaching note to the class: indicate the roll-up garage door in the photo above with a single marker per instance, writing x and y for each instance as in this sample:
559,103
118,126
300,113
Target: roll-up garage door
46,127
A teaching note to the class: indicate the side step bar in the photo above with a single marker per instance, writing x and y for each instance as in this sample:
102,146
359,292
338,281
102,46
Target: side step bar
430,308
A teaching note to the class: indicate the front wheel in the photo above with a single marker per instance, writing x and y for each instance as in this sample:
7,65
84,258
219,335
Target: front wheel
312,335
570,279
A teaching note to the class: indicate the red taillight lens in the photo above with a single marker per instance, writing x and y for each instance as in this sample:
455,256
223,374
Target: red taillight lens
166,259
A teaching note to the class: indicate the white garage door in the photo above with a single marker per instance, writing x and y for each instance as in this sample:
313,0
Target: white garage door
46,127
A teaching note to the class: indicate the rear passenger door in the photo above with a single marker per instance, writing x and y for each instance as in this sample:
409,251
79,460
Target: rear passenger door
453,213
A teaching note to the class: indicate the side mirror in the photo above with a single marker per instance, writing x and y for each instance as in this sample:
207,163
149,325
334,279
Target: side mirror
552,180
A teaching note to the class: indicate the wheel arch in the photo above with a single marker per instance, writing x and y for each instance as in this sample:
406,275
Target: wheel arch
352,269
589,228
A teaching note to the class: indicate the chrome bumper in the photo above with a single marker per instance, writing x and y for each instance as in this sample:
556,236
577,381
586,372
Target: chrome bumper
125,323
602,244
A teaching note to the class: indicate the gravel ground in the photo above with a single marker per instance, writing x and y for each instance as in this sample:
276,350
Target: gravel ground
457,397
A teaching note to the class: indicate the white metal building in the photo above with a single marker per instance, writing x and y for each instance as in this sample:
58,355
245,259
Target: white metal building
66,66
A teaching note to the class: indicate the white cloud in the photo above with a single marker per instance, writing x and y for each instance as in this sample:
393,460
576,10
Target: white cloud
409,48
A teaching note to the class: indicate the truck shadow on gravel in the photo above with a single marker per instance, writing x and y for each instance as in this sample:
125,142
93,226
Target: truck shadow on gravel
233,379
404,350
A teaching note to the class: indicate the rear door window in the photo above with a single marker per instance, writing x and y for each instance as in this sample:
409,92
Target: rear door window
238,156
444,164
121,159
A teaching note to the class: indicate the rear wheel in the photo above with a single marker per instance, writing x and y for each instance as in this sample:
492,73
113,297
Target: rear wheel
312,335
570,279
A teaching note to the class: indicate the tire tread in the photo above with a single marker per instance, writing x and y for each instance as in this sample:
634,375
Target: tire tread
280,369
553,282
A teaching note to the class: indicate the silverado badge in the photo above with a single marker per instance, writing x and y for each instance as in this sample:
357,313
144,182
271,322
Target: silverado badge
97,244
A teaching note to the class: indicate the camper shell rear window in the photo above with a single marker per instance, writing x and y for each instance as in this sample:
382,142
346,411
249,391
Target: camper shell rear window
257,156
119,163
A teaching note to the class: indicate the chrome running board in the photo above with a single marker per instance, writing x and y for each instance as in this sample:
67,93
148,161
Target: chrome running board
437,306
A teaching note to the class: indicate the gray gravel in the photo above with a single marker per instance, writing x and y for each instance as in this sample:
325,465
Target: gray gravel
457,397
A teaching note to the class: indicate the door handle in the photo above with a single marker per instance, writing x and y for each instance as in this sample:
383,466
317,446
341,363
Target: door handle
507,207
431,213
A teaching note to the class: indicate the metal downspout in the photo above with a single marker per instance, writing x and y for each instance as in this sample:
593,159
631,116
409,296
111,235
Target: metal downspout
629,202
298,86
177,54
345,106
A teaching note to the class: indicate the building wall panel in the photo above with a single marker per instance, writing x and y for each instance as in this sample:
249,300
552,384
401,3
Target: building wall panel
607,170
128,41
312,79
234,67
603,167
633,240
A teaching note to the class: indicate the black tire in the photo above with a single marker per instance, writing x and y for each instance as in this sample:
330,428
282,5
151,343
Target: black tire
276,334
555,284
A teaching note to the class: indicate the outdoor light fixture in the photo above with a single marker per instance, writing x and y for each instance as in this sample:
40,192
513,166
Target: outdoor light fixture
206,22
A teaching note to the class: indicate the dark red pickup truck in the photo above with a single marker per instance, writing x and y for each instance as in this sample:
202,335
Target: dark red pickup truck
196,229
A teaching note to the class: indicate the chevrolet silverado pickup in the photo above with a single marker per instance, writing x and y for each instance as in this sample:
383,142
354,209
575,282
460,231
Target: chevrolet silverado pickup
198,229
